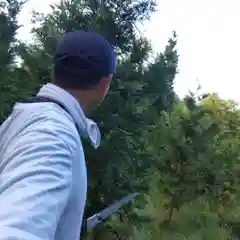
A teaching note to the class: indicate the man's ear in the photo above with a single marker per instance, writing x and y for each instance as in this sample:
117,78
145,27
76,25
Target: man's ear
105,83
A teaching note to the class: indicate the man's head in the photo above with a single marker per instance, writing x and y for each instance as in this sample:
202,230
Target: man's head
84,64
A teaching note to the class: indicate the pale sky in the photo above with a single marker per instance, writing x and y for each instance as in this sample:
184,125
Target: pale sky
208,41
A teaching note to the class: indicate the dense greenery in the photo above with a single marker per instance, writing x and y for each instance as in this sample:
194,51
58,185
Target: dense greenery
180,155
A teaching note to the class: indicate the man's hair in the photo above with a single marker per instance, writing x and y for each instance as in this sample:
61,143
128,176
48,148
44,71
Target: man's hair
81,59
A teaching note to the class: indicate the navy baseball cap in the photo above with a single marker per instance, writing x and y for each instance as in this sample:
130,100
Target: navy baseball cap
88,49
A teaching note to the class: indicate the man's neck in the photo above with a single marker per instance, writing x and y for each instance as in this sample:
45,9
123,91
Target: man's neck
82,98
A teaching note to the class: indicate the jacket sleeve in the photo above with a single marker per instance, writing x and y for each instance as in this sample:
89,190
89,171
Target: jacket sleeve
35,184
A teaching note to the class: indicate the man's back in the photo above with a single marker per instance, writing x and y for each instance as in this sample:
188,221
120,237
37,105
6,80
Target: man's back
42,174
43,179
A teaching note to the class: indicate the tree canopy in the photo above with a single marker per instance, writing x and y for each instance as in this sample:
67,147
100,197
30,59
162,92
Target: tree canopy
181,155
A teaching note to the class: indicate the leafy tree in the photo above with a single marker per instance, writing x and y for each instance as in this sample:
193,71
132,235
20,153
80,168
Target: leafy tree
15,83
195,171
196,149
181,154
8,28
137,95
140,91
195,220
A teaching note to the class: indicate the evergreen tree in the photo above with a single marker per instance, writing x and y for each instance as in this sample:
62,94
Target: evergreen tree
183,155
139,91
115,167
8,28
194,171
14,82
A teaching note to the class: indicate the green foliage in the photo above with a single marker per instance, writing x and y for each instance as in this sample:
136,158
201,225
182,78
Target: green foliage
195,149
14,83
182,155
193,180
140,90
8,28
193,221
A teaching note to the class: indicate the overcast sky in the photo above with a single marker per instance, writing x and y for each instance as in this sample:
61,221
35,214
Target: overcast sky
208,41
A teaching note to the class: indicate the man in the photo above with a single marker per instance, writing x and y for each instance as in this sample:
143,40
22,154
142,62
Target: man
43,179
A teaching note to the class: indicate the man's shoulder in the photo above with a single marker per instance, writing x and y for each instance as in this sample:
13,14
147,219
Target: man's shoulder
47,114
42,118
